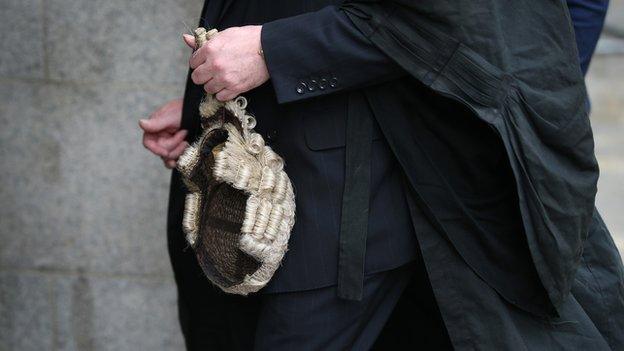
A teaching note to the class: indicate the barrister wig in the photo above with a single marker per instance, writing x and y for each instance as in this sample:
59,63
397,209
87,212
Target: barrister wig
241,206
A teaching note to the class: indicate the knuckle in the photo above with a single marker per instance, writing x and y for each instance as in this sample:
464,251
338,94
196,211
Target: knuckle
200,76
217,65
204,51
197,58
194,61
209,89
229,81
234,90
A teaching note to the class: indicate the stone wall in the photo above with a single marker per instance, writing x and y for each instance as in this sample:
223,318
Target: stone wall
605,84
83,258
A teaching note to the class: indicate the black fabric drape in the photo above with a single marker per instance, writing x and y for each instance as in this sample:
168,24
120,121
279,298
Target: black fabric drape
521,78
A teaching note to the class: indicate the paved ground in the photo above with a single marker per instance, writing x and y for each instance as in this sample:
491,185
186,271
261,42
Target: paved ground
605,83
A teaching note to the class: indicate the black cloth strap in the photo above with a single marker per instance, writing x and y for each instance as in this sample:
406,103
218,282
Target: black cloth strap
355,198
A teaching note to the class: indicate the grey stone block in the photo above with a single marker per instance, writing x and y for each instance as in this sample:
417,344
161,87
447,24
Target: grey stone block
610,198
605,74
83,259
100,313
604,78
22,44
610,45
26,313
36,212
118,40
615,16
79,191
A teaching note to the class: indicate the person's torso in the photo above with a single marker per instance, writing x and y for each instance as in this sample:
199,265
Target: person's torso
310,136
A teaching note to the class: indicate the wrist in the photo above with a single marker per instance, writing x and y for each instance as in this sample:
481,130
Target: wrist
259,42
260,52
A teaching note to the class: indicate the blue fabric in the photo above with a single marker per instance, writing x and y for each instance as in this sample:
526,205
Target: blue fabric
588,19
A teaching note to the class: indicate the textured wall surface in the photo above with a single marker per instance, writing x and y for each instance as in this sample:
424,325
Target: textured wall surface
605,83
83,258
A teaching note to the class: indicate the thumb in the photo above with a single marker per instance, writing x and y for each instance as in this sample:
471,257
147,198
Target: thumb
154,125
189,40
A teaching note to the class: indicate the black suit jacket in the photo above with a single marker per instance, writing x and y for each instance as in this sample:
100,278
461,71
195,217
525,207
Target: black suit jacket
316,58
447,147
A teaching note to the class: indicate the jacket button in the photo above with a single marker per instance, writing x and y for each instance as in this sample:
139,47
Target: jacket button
333,82
301,88
322,84
313,84
271,135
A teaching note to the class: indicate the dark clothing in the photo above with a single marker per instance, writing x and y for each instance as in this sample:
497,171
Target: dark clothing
486,122
310,136
523,81
541,124
334,324
469,186
478,318
485,229
588,18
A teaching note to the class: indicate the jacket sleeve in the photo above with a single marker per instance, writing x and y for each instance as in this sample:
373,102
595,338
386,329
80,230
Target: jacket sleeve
322,52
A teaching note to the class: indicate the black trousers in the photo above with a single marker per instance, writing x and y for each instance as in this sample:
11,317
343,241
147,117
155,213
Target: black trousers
397,312
415,322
